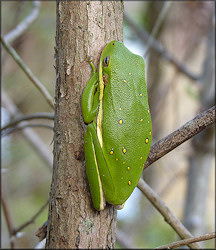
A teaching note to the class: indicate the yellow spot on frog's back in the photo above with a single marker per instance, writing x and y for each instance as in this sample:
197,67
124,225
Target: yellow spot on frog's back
122,178
129,73
123,162
129,183
141,120
120,109
146,140
140,94
141,158
124,150
125,81
111,152
150,133
128,168
116,159
120,121
148,121
148,111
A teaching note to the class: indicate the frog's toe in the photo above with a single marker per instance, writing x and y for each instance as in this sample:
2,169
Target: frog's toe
90,59
119,207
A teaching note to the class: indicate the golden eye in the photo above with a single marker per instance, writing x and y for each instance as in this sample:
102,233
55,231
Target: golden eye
106,61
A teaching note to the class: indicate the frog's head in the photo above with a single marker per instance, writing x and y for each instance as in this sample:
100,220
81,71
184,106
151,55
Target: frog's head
111,58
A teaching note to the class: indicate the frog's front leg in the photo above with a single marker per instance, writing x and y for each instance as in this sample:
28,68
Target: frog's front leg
100,180
90,97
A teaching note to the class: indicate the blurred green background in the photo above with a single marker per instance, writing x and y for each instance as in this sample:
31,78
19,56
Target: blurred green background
174,99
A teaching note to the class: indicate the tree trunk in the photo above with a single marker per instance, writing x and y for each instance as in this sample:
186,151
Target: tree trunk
83,29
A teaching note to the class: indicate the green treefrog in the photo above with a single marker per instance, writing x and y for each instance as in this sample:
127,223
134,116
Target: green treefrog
119,132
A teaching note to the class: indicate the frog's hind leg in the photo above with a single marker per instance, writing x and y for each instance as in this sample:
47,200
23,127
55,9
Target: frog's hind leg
96,168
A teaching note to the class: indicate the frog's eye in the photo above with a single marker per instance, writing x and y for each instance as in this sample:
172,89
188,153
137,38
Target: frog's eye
106,61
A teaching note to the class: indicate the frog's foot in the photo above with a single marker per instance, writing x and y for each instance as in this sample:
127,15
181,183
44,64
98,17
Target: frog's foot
90,59
119,207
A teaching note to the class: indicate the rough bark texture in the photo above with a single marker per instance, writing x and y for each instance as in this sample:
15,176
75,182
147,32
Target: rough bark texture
83,29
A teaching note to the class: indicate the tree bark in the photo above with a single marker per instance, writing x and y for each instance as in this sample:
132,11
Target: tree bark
83,29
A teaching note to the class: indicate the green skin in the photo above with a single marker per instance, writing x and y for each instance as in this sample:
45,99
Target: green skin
119,133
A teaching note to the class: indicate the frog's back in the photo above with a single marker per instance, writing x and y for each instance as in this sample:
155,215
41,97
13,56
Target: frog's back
126,123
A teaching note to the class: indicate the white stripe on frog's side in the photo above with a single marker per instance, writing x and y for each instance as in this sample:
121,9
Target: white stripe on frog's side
102,200
100,112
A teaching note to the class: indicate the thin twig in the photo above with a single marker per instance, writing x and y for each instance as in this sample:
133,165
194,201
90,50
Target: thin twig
188,241
158,47
28,72
169,217
7,217
24,25
49,116
15,231
23,126
39,146
157,25
41,233
184,133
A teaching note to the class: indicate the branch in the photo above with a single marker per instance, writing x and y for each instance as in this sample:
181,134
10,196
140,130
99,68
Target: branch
158,47
169,217
184,133
28,72
14,122
24,25
41,233
15,231
26,125
188,241
39,146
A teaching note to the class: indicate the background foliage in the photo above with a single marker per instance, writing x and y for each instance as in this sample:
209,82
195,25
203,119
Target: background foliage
174,99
